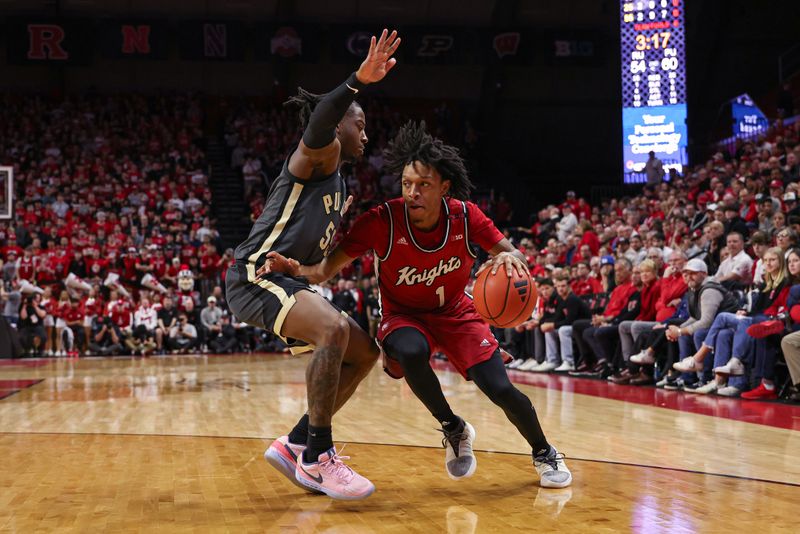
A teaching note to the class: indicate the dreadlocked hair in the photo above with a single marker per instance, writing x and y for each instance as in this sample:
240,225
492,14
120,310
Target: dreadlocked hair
413,143
305,103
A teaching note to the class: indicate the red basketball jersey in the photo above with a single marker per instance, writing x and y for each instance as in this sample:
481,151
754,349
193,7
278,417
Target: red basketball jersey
421,271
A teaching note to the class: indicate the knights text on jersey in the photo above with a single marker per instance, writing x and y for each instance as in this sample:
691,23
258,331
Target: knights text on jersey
416,276
299,220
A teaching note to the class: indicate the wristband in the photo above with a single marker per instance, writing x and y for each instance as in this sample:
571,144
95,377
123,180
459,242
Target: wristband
353,84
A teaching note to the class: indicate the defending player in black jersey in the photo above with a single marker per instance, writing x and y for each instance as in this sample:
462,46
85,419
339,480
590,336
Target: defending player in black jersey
304,208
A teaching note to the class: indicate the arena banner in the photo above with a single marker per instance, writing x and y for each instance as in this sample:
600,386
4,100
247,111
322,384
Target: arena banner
349,44
439,45
285,42
508,45
573,47
133,39
36,41
212,40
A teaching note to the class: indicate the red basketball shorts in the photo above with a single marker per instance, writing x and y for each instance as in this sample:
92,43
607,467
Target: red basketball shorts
460,333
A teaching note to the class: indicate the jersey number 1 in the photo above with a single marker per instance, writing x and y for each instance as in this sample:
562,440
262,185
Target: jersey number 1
440,292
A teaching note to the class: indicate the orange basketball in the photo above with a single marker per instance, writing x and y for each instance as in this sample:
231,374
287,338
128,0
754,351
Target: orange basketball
504,301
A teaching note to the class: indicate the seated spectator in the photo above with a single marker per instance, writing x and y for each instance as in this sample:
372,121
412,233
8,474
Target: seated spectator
728,339
762,359
167,317
533,350
736,271
73,318
31,325
183,336
558,332
227,342
650,292
106,338
145,323
597,338
210,318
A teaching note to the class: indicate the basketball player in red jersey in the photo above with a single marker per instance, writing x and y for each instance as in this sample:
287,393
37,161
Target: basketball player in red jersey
423,262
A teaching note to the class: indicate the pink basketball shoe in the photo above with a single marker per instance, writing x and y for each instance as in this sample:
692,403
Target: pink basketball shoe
283,455
330,475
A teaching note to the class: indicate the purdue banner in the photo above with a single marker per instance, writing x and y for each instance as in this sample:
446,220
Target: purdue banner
439,45
133,39
49,41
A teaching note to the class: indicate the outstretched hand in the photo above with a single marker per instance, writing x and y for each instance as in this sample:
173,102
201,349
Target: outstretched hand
277,263
379,60
507,260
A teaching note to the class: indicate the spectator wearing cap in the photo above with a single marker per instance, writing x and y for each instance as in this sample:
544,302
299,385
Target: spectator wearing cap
706,298
606,273
210,319
735,352
790,202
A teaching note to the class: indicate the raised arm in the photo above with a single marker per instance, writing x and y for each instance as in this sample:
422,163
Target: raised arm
319,151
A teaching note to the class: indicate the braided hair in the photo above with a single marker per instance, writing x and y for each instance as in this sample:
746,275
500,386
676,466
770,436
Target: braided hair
413,143
305,103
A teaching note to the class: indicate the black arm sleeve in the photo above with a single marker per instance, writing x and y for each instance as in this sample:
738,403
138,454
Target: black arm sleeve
321,128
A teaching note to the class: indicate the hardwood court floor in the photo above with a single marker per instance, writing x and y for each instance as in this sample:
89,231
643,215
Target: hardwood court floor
175,444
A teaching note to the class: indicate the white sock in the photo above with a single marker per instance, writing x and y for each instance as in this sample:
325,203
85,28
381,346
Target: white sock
768,387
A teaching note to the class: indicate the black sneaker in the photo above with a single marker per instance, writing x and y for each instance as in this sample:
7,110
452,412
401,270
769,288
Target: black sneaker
674,385
692,386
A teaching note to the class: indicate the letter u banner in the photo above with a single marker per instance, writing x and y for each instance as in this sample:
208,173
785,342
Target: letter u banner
49,41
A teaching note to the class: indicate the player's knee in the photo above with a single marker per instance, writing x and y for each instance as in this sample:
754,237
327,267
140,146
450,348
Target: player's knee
335,331
407,349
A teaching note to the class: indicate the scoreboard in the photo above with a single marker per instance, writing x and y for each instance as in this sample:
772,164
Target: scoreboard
652,44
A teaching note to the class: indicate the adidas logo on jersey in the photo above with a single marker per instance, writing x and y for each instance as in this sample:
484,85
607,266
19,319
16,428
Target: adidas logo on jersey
402,241
485,343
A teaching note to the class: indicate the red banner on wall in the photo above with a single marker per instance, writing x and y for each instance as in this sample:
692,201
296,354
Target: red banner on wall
49,41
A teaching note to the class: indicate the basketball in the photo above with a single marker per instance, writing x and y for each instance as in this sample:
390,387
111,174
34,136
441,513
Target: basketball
504,301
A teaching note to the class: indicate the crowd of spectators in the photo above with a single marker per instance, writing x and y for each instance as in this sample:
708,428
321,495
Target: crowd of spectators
693,283
112,247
